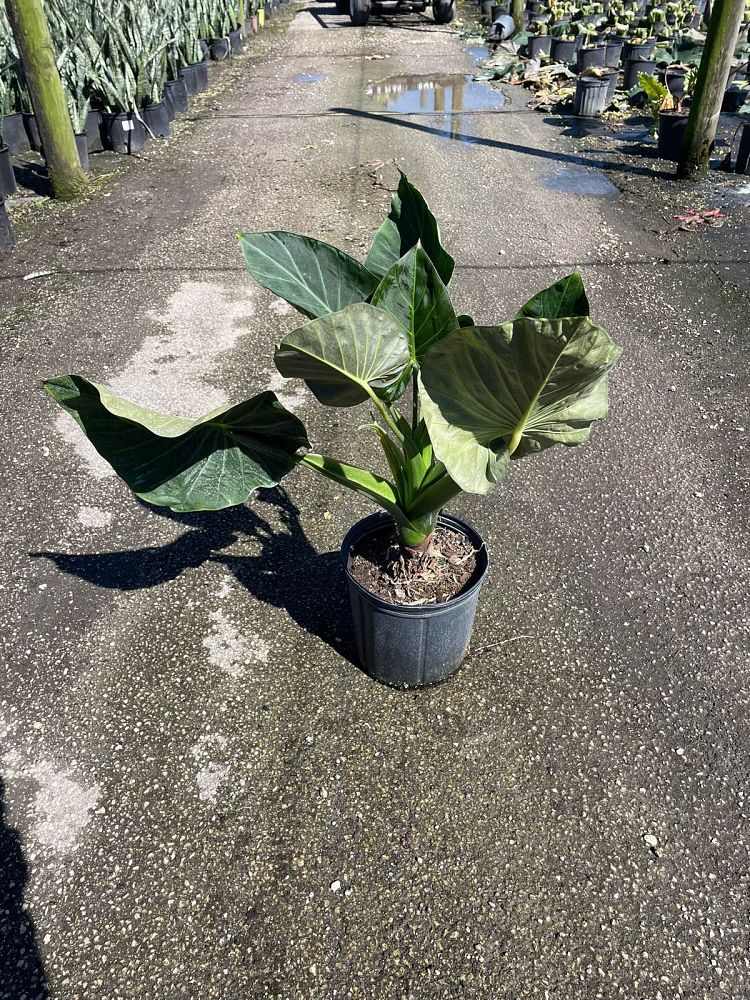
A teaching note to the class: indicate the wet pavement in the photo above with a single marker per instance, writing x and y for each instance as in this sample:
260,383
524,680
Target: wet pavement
204,797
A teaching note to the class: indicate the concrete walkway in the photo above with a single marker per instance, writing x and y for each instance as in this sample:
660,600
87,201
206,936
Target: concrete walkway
204,797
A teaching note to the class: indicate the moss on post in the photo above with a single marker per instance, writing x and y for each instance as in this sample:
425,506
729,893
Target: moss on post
721,42
517,8
31,32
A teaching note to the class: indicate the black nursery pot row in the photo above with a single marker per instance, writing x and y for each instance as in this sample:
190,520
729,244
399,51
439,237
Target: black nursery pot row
126,132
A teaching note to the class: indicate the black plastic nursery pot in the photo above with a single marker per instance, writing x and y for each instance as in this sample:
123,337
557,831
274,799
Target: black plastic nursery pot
563,51
32,131
613,52
220,49
503,27
201,76
591,96
156,119
406,645
124,133
94,138
674,79
14,133
82,146
734,98
671,135
635,66
7,177
639,50
591,55
178,95
190,80
235,41
169,104
743,155
612,76
540,45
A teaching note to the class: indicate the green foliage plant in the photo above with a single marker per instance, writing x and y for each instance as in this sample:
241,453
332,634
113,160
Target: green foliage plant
451,402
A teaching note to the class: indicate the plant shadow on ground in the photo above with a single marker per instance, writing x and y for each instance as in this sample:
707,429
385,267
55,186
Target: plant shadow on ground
21,970
553,155
287,572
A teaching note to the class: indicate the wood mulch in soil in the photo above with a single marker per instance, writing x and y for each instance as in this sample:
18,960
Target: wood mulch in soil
440,573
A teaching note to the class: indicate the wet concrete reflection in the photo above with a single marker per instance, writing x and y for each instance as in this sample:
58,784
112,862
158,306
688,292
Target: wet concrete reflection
431,94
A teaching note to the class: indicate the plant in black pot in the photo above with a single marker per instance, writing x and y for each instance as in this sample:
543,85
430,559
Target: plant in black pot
451,404
14,133
222,21
540,44
76,72
188,60
117,87
669,114
590,52
563,44
595,89
7,176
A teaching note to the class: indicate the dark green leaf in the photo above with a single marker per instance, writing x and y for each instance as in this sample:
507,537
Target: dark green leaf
491,392
312,276
341,355
566,297
206,464
409,222
413,294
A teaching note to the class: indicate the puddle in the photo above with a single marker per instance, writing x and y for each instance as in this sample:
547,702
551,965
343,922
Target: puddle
309,78
583,182
433,95
479,52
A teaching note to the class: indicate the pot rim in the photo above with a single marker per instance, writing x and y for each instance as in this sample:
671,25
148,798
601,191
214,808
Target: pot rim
374,522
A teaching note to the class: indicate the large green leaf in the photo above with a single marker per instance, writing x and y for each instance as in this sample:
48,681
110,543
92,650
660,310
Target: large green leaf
522,387
413,294
206,464
566,297
312,276
409,222
344,355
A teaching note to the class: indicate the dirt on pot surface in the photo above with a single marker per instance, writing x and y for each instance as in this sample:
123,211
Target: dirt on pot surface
442,572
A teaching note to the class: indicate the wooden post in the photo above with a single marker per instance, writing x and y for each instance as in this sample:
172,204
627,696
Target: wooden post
718,52
517,8
31,32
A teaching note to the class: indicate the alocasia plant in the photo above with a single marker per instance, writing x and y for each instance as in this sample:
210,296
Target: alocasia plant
479,395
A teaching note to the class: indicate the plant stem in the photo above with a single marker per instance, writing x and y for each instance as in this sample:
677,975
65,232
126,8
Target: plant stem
414,402
385,413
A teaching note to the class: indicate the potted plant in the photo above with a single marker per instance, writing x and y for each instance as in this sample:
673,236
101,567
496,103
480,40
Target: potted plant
540,44
189,64
590,53
563,44
14,134
670,116
7,176
594,91
75,68
451,404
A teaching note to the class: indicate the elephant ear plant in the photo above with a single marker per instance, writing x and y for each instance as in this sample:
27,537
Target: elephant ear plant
451,402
